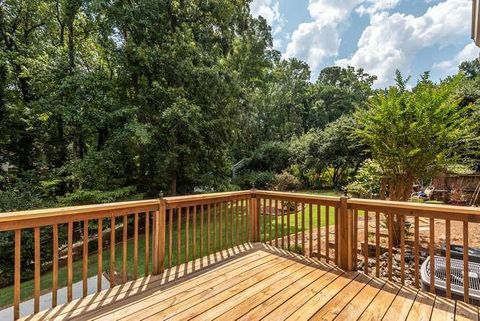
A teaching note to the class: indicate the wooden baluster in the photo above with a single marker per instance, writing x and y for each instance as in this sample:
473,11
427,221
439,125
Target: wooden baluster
466,278
85,260
170,237
70,261
283,224
390,245
310,228
187,225
179,234
365,241
417,250
243,222
288,226
276,223
220,238
296,226
135,246
36,302
447,258
55,267
208,228
99,254
264,214
327,233
336,236
112,252
194,226
17,275
402,249
377,244
147,242
355,239
303,228
124,249
247,218
214,227
202,211
227,220
432,255
319,230
232,221
237,227
270,219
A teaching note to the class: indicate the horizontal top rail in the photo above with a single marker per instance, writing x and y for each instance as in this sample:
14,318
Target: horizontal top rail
174,201
74,210
42,217
461,213
299,197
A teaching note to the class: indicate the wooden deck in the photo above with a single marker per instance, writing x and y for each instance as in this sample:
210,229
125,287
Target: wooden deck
253,282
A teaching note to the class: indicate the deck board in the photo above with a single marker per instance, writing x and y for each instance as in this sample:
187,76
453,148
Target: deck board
256,282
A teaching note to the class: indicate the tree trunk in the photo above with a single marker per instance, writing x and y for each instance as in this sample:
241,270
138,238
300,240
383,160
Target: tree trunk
400,189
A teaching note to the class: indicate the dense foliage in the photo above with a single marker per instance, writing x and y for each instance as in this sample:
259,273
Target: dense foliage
102,101
115,100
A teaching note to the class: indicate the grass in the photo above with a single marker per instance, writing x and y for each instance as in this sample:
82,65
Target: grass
177,257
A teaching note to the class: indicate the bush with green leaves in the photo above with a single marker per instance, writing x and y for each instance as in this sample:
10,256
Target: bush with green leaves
271,156
367,180
286,182
259,180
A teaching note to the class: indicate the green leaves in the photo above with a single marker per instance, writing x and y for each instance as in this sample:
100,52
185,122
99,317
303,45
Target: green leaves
417,134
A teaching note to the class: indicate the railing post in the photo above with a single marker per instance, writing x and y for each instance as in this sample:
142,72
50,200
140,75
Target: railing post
345,230
255,216
159,237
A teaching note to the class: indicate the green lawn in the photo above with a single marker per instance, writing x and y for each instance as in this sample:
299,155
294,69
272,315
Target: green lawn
6,294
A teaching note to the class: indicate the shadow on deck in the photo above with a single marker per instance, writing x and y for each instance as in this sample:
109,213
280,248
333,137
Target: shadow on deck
257,281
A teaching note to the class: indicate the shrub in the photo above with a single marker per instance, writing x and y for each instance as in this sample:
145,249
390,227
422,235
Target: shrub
286,182
367,180
260,180
271,156
83,197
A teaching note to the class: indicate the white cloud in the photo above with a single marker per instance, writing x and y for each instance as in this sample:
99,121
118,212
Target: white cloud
448,67
320,39
317,40
373,6
391,41
270,10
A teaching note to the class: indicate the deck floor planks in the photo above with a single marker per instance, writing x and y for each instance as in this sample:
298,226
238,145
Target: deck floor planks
234,256
217,273
260,292
305,306
362,300
333,308
194,291
464,312
302,285
380,304
262,283
293,284
422,307
401,305
443,309
225,289
228,299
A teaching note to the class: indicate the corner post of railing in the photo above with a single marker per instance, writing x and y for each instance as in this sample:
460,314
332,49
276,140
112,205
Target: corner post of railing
159,236
345,230
255,217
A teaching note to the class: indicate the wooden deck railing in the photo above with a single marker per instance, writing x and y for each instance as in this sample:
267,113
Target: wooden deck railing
182,229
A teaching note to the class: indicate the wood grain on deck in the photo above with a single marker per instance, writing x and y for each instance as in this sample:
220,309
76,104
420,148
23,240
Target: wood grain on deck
256,282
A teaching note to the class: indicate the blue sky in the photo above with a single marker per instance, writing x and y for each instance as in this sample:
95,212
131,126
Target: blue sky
377,35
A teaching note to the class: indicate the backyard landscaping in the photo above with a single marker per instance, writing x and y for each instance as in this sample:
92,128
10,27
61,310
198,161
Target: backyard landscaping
27,286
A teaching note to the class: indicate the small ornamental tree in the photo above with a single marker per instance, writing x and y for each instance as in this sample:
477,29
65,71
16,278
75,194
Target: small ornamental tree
416,134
